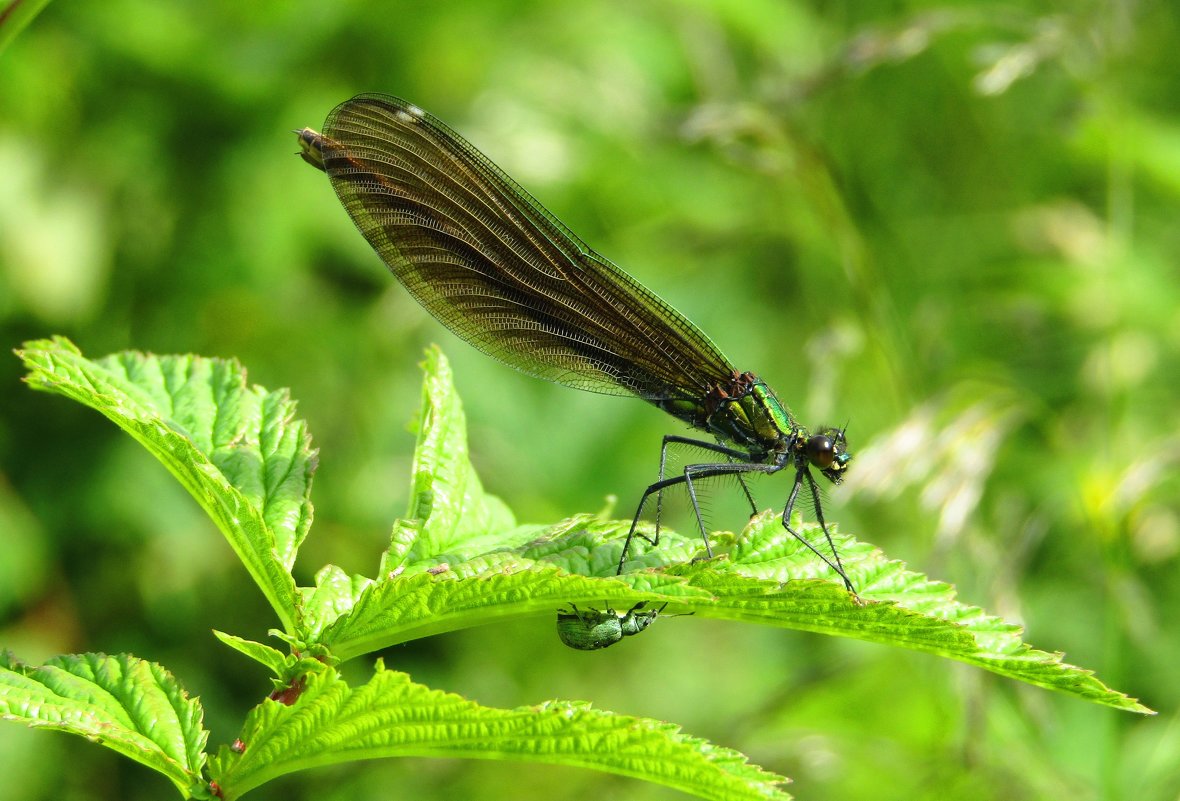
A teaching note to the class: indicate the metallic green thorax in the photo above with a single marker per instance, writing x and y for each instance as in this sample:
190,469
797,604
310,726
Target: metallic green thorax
750,416
744,411
747,413
592,629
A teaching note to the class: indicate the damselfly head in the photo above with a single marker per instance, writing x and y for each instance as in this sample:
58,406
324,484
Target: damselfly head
828,451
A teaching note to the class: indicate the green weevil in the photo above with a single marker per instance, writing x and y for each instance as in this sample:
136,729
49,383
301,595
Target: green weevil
591,629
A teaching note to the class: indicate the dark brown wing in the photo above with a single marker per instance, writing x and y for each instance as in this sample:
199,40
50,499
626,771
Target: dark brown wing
495,267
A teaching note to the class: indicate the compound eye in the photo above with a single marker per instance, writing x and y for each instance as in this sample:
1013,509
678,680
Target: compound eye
821,451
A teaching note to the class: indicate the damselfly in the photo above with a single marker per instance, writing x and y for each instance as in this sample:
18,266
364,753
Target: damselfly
501,272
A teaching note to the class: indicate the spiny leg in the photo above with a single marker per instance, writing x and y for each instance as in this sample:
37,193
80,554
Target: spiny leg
670,439
790,507
660,494
647,493
695,472
819,514
699,471
749,495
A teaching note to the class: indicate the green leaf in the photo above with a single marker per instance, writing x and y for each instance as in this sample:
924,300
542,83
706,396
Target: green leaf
334,594
480,592
448,507
131,706
900,607
767,576
391,716
272,658
239,450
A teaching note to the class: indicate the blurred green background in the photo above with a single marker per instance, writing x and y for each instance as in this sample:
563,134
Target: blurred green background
953,226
